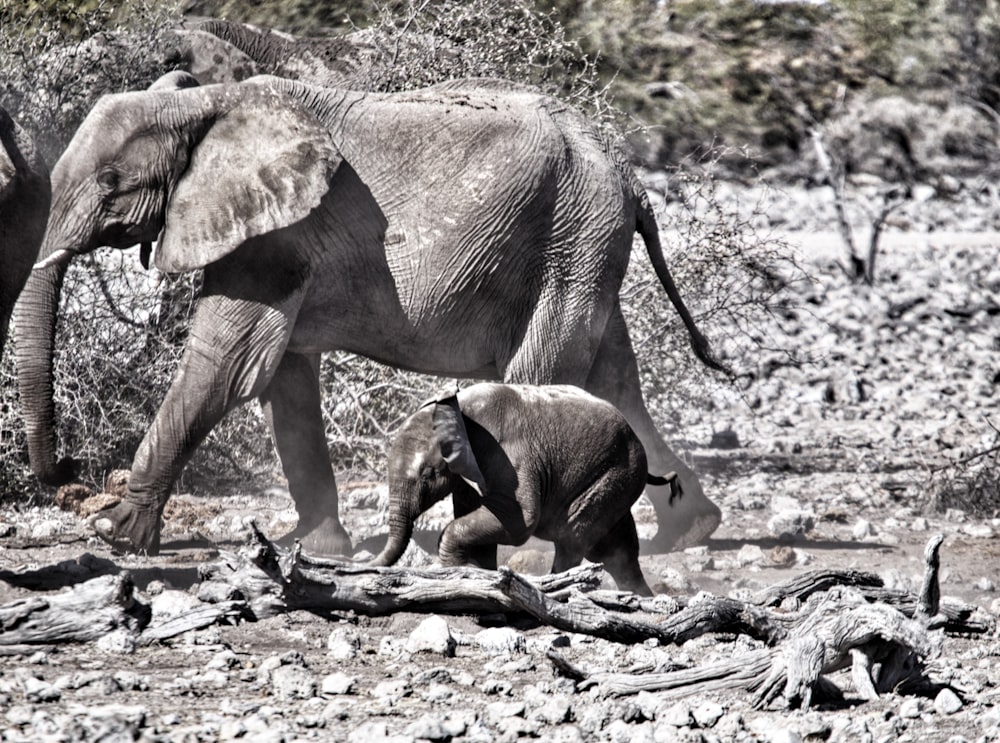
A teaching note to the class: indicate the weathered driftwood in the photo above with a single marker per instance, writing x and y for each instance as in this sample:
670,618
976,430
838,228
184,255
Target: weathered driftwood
884,648
86,612
199,618
274,579
951,615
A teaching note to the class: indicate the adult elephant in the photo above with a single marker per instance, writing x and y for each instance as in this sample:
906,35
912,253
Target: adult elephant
24,208
470,230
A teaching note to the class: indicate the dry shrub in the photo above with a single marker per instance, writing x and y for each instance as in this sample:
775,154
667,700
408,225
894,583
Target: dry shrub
902,140
58,63
971,484
737,282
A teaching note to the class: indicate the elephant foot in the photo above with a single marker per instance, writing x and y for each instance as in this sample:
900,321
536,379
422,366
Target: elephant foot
326,539
701,527
129,528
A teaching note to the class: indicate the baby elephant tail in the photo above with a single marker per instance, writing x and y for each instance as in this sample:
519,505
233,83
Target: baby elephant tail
670,479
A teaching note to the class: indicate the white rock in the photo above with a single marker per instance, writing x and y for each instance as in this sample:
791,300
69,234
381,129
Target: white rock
863,530
676,581
911,708
496,640
433,635
293,682
707,714
947,702
919,524
343,643
117,642
789,525
783,735
978,531
750,554
555,710
678,715
337,683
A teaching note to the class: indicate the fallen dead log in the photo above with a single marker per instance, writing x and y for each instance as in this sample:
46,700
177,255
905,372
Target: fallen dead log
274,579
954,616
884,648
199,618
86,612
841,632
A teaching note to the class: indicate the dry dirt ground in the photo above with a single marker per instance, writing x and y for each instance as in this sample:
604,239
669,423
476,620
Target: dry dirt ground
827,466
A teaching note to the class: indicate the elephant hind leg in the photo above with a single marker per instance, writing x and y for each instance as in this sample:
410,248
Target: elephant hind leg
618,550
692,518
292,408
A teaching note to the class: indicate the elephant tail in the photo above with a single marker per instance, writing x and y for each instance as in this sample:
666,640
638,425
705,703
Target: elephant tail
650,231
670,479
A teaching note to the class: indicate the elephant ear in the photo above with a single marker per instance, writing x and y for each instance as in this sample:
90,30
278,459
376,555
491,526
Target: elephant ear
259,167
452,437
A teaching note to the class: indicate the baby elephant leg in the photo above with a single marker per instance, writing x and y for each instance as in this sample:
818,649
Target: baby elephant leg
472,539
619,551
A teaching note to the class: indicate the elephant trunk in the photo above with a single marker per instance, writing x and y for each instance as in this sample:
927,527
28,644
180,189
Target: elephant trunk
403,511
35,328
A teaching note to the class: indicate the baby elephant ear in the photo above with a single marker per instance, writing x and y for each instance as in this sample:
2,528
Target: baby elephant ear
451,436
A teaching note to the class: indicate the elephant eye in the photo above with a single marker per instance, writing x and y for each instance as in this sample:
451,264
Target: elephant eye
108,179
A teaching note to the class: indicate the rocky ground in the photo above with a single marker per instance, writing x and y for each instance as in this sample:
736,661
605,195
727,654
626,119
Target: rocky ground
832,465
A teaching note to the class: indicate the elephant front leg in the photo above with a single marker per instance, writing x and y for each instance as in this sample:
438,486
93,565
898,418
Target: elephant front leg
472,538
232,352
186,416
292,406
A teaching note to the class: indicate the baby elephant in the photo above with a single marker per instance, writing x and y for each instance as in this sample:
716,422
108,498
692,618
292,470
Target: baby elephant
554,462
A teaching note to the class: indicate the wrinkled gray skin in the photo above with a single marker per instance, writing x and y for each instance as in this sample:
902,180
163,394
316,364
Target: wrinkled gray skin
553,462
24,209
458,231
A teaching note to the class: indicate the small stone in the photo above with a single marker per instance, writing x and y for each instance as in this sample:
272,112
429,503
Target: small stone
920,524
676,582
37,690
530,562
863,530
707,714
910,709
344,643
555,710
337,683
428,728
750,554
496,640
783,735
117,642
985,585
498,711
293,682
678,715
369,732
788,526
433,635
978,531
947,702
782,556
391,691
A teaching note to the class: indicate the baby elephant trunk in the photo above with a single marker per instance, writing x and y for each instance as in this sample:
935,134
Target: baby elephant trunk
400,531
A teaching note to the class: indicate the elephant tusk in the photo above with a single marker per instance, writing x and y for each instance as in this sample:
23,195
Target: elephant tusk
56,259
